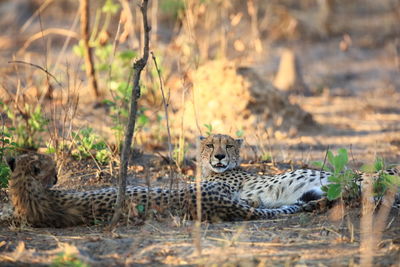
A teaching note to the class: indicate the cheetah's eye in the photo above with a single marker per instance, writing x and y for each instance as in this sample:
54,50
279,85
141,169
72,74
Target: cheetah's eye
229,146
210,145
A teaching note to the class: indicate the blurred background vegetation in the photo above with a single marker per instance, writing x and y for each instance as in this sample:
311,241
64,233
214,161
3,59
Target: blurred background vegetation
248,68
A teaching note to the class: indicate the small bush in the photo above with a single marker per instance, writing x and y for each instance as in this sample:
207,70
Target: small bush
87,144
342,179
27,124
68,260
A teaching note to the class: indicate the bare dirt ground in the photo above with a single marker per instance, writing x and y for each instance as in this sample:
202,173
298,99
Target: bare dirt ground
356,105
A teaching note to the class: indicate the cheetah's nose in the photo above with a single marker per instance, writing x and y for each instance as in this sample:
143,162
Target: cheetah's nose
220,156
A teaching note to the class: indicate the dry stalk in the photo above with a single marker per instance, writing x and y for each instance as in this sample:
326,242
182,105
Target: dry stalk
62,119
270,147
165,104
42,7
67,40
36,36
181,140
384,211
197,226
368,242
154,21
49,92
88,55
127,19
138,66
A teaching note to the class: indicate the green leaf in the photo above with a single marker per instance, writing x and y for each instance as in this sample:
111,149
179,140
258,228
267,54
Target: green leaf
318,164
379,164
368,168
110,7
331,158
78,49
324,188
127,55
142,120
334,179
340,161
109,102
334,191
140,208
5,173
103,156
209,128
343,155
102,67
392,179
266,157
239,133
6,134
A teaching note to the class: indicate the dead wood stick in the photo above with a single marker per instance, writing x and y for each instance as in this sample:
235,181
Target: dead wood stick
138,66
87,51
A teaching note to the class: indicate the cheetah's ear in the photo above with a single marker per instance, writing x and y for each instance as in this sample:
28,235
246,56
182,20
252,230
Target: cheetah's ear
239,141
35,168
11,163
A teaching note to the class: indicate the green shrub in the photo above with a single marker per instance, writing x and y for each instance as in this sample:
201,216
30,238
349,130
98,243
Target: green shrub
87,144
383,180
68,260
27,124
342,179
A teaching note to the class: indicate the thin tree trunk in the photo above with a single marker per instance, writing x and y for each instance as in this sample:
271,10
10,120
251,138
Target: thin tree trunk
138,66
88,55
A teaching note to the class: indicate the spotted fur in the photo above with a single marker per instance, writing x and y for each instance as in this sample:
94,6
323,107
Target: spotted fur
220,160
39,205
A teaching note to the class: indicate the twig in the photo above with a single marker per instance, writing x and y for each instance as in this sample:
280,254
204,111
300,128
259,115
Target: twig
323,164
90,71
49,92
138,66
38,35
42,7
270,147
67,40
165,104
36,66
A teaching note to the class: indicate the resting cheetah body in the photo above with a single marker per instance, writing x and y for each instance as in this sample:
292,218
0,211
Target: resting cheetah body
220,160
275,191
35,202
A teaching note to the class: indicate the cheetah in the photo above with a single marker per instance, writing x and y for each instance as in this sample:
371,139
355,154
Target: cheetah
220,160
36,203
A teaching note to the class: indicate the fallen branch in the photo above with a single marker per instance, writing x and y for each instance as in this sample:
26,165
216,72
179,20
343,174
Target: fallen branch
138,66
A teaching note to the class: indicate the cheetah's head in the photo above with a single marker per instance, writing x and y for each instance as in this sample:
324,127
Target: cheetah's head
219,153
41,167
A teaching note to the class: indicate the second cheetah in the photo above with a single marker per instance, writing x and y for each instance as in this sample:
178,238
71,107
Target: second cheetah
220,160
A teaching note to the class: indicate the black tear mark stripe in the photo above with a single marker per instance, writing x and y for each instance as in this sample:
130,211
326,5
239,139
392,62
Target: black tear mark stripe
211,156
